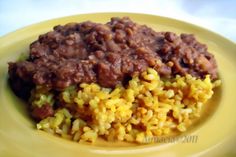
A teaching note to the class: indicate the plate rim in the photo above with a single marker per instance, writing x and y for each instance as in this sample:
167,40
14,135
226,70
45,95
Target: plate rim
129,13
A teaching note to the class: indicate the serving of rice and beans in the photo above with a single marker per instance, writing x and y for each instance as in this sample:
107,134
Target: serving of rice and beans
118,81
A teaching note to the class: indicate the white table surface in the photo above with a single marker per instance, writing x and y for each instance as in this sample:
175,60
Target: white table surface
216,15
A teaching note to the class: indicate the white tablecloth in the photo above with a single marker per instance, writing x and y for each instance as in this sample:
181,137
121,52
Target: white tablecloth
216,15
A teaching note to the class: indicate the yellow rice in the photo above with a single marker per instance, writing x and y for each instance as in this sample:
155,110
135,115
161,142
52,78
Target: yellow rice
146,108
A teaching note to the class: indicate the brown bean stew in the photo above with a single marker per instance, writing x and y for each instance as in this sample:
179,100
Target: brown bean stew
108,54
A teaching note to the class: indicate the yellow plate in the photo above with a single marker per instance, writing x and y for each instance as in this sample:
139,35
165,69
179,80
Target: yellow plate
215,136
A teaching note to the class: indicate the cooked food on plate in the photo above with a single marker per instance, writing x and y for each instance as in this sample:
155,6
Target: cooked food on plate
119,81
